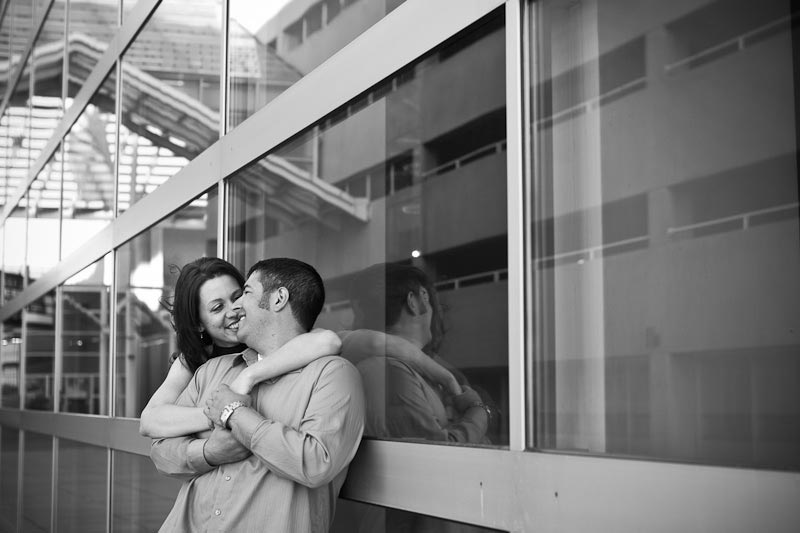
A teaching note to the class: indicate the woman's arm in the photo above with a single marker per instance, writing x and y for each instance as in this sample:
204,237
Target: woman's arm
362,343
162,418
296,353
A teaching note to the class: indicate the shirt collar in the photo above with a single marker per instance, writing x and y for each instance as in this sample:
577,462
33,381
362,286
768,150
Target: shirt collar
249,356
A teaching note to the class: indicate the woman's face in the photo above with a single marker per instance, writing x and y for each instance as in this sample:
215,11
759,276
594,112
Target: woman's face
217,316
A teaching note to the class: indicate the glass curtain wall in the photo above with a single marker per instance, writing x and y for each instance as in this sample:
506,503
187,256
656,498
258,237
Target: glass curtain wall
404,187
266,57
170,95
147,269
666,231
85,339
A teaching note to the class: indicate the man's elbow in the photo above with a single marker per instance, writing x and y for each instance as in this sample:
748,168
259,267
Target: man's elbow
321,478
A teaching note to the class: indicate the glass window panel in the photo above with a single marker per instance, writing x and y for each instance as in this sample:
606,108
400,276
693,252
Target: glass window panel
43,202
429,166
17,120
6,23
85,339
357,516
47,105
40,347
10,359
38,479
20,13
82,487
14,253
170,95
142,496
91,27
89,158
666,231
274,45
147,269
9,466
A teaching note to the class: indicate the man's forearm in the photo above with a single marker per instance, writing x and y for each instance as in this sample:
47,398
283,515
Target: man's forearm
180,457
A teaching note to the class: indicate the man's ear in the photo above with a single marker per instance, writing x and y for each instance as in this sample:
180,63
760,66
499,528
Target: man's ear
279,298
414,304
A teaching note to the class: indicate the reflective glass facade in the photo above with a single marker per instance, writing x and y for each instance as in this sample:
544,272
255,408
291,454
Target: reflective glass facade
595,203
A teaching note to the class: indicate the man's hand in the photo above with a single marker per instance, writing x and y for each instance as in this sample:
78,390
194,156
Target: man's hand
219,399
222,447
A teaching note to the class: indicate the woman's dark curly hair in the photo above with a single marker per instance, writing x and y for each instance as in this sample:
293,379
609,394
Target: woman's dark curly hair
185,309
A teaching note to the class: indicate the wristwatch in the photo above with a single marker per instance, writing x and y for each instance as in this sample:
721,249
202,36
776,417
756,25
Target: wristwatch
486,409
227,411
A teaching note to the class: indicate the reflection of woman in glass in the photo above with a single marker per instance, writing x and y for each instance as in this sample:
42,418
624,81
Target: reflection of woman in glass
206,323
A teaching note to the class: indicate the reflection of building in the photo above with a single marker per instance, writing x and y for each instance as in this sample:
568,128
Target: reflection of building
611,221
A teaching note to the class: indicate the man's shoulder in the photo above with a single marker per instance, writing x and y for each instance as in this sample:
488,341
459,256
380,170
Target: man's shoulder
328,362
222,361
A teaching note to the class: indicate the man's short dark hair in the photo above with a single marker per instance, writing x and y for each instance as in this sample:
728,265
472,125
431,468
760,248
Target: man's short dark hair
306,290
379,294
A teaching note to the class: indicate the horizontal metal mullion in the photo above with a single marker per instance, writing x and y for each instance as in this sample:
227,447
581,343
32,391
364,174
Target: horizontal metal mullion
519,491
91,251
528,491
15,77
116,433
123,38
352,70
345,75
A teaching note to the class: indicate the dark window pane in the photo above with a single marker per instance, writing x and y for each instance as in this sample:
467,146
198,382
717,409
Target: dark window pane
666,232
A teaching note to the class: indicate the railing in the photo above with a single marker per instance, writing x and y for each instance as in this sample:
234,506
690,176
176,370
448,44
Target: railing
736,44
744,218
492,276
591,104
592,252
489,149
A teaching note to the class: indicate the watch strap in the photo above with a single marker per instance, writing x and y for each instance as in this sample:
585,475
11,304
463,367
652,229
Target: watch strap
227,411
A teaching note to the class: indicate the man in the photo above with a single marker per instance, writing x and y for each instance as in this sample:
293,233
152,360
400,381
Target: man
276,459
401,403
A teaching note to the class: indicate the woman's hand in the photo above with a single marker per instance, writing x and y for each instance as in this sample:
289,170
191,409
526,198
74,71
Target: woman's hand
243,383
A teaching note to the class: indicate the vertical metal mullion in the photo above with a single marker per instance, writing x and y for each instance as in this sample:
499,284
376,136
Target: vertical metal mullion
530,146
54,486
111,389
224,70
516,253
224,113
20,476
109,489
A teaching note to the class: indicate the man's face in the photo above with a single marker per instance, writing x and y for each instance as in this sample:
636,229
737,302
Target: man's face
253,320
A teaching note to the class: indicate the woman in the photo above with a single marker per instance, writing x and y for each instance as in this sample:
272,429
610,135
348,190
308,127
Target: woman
205,324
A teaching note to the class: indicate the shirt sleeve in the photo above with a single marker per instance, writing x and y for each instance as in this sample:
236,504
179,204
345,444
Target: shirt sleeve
409,412
327,438
182,457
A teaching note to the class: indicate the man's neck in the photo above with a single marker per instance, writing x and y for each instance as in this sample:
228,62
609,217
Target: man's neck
410,332
273,340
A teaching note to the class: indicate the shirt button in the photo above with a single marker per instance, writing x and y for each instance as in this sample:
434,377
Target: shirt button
217,512
227,478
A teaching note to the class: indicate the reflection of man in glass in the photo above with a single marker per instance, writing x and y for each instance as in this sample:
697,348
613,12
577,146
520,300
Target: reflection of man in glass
401,403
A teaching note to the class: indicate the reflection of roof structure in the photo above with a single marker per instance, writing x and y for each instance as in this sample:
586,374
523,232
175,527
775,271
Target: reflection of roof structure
165,125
